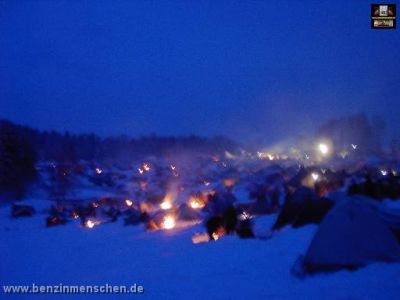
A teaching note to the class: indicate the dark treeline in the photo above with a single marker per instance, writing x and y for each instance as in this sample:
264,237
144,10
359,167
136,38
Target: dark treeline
52,145
21,147
356,129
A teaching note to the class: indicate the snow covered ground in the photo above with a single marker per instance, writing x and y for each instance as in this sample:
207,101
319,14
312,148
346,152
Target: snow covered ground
170,266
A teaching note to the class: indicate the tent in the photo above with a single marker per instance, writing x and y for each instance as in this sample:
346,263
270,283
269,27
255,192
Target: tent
351,235
301,208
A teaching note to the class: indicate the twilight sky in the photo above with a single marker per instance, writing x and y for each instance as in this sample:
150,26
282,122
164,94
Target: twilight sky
243,68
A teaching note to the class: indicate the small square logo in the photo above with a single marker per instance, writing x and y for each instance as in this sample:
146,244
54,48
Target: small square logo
383,16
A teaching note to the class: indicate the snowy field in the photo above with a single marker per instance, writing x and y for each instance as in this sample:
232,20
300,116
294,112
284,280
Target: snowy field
170,266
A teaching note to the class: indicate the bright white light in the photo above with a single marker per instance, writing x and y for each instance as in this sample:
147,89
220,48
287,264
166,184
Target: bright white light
169,222
354,146
90,224
166,205
323,148
244,216
99,171
315,176
384,172
128,202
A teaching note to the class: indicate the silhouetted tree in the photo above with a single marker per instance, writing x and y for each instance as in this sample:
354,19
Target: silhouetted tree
17,161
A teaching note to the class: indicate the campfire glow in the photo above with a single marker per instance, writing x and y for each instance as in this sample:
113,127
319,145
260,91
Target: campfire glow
170,197
166,205
229,182
218,233
265,155
196,203
90,223
215,236
168,222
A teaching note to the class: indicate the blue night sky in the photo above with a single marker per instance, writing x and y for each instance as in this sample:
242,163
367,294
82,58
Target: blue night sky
241,68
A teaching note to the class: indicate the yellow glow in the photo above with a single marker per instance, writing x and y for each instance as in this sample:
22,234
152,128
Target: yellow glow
265,155
146,167
169,222
215,236
196,203
229,182
166,205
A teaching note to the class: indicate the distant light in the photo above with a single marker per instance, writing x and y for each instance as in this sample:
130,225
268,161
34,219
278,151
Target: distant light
229,182
265,155
323,148
384,172
99,171
128,202
344,154
146,167
140,170
244,216
90,224
354,146
315,176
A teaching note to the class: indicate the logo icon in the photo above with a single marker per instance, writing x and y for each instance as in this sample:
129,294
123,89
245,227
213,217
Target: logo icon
383,16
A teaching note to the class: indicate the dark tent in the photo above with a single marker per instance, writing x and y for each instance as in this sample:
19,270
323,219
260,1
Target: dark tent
301,208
